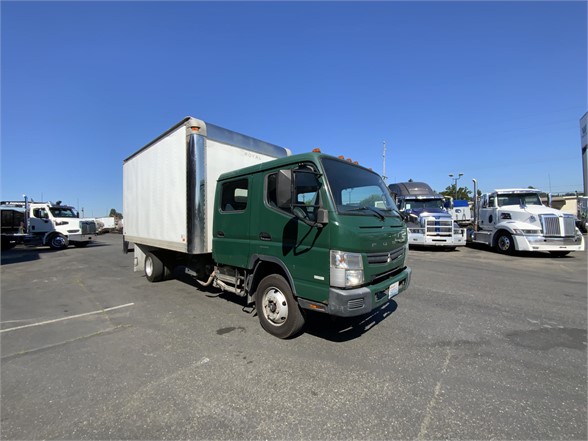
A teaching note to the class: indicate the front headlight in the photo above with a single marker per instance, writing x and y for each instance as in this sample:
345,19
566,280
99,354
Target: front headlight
527,232
346,269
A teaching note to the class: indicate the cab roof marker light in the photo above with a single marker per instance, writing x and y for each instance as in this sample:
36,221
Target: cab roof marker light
316,150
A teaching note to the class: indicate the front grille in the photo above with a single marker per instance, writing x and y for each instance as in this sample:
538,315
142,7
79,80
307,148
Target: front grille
355,304
550,224
569,226
385,257
88,227
439,227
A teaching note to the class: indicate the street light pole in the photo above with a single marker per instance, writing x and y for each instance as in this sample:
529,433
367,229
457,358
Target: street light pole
455,179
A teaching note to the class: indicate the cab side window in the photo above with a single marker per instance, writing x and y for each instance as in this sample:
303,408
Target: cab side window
40,213
270,193
234,195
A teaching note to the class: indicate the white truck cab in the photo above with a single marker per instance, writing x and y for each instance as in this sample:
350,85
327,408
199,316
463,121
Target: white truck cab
52,224
515,219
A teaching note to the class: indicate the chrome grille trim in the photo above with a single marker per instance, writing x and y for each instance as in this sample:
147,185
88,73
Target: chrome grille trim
439,227
88,227
550,224
569,226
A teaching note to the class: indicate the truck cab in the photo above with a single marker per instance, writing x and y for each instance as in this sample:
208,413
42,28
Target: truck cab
427,219
516,220
313,228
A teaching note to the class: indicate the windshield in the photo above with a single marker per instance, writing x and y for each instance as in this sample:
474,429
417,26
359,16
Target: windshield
358,191
518,199
63,212
421,204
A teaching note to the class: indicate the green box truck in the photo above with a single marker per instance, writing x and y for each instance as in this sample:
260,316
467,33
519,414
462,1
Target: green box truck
288,233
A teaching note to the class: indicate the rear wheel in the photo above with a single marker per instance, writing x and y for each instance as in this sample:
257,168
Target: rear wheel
58,242
154,268
278,311
505,243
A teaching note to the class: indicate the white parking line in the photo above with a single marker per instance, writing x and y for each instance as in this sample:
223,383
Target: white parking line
66,318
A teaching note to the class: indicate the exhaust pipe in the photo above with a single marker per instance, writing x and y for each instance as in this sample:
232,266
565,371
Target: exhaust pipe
476,203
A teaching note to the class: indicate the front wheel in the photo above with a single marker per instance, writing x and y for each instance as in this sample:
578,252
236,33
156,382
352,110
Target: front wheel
58,242
505,243
278,311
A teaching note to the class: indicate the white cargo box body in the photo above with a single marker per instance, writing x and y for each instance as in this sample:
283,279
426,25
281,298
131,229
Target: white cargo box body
169,185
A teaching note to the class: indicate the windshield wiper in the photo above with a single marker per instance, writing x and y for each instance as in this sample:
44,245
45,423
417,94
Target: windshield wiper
376,212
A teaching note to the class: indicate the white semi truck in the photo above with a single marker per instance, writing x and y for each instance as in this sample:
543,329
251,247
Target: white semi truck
515,219
428,222
44,223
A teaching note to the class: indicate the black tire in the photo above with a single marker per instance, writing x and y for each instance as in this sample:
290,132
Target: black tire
154,268
559,253
505,243
278,311
58,242
81,244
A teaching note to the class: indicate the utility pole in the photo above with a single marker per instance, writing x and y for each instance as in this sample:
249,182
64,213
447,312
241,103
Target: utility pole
384,177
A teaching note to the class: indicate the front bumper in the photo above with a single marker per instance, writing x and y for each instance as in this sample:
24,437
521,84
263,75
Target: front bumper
359,301
542,243
436,241
81,237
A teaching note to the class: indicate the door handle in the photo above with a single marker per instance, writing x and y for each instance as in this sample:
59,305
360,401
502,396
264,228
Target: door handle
220,233
265,236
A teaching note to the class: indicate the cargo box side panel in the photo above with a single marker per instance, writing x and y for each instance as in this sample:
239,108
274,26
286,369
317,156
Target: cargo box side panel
222,158
154,194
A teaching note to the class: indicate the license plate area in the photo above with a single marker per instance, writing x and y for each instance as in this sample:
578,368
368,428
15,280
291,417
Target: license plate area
393,290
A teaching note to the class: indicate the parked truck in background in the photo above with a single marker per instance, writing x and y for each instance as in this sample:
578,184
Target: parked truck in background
106,224
460,211
288,233
515,219
428,222
582,218
44,223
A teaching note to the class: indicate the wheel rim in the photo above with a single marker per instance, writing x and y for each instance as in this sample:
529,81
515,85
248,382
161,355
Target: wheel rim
275,307
504,243
148,267
58,241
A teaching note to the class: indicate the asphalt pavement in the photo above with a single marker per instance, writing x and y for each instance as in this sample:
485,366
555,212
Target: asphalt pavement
481,346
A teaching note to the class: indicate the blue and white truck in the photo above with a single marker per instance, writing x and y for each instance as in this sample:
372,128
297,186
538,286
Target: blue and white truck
428,221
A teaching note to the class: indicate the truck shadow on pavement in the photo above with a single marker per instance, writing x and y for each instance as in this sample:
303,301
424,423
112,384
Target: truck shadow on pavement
339,329
335,329
21,254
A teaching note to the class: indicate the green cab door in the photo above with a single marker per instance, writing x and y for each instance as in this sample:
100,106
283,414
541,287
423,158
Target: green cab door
281,235
232,215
